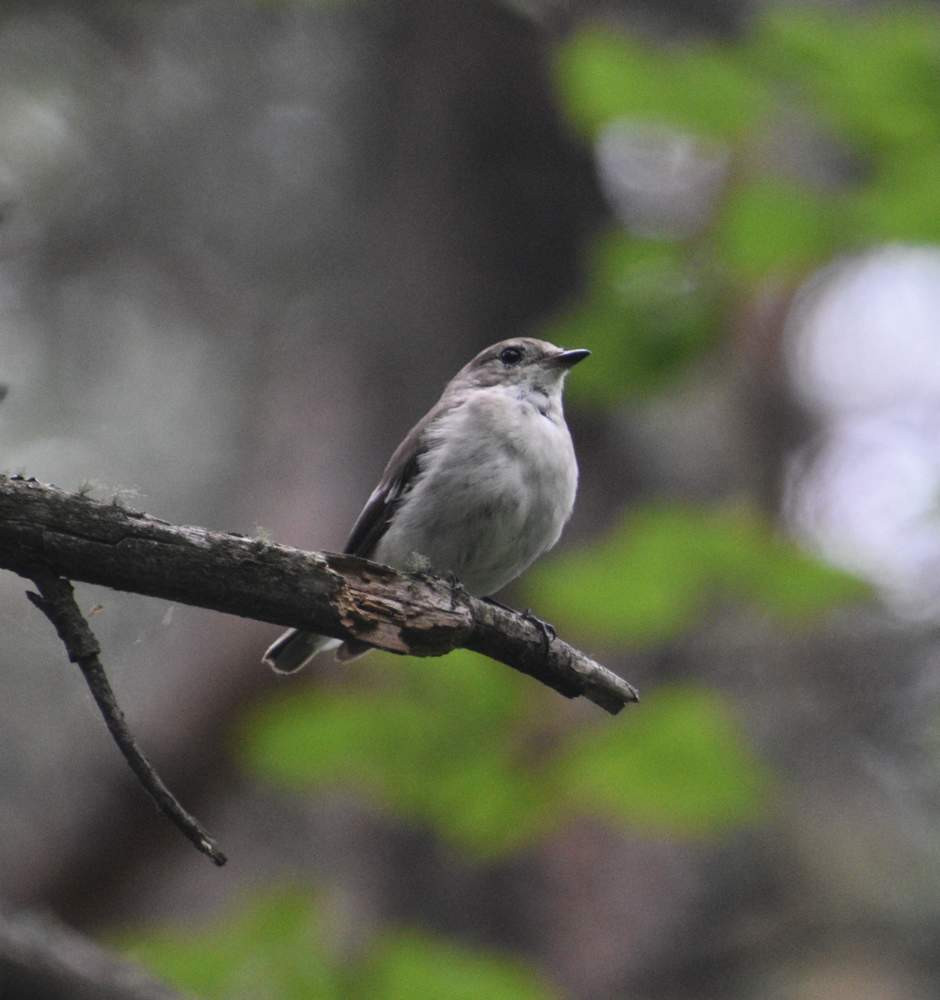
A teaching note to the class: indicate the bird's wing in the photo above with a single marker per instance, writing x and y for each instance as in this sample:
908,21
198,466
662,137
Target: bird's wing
396,481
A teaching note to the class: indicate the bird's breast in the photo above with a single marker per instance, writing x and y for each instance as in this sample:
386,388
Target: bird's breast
496,486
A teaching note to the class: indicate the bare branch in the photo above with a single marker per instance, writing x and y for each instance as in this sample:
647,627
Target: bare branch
339,595
41,957
57,602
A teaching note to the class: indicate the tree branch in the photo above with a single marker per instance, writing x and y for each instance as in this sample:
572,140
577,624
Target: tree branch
57,602
41,957
74,537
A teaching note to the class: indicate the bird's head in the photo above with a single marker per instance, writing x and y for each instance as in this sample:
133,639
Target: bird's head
524,364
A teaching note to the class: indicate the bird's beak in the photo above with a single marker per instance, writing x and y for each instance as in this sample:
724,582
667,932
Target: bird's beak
568,359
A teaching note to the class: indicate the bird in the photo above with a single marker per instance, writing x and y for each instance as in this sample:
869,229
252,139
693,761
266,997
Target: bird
479,488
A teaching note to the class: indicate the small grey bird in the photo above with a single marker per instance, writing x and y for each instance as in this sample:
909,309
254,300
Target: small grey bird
481,486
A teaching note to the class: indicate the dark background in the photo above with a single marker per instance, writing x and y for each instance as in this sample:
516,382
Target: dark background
243,246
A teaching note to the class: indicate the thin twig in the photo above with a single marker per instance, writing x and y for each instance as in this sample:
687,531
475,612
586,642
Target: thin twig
56,601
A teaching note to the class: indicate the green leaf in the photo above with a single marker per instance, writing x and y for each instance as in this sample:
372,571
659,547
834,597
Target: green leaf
413,965
465,766
436,747
648,313
269,950
656,573
768,226
272,949
602,77
872,77
902,202
679,766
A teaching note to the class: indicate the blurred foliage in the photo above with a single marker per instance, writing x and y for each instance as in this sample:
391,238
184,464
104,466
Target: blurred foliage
770,226
484,757
455,743
270,950
432,739
656,573
870,80
604,76
648,309
409,965
274,949
681,767
873,78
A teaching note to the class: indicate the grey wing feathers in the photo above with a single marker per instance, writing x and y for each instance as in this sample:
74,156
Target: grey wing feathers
294,648
374,518
399,476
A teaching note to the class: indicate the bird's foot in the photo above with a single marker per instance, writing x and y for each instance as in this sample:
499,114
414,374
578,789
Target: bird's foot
546,628
457,589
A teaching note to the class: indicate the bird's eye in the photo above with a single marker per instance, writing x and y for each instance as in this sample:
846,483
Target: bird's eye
510,356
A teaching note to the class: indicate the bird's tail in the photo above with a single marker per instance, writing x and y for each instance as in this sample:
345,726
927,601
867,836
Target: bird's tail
294,649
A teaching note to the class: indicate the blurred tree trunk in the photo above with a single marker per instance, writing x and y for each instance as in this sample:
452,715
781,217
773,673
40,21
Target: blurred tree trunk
350,203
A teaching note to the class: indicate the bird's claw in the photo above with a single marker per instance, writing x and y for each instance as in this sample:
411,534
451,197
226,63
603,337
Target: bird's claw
457,589
546,628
